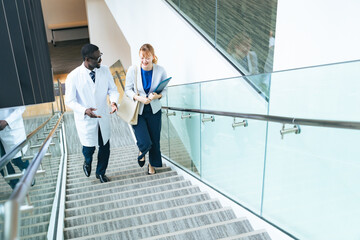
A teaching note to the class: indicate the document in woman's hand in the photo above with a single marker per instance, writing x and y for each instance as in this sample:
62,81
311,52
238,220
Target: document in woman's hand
162,85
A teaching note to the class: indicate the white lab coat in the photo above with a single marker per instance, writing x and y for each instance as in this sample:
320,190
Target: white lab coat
82,93
14,133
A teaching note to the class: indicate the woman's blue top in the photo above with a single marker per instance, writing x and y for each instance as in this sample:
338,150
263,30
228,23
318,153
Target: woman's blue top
146,79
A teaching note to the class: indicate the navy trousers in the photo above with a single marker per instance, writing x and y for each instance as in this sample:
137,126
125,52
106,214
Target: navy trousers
147,133
17,162
103,155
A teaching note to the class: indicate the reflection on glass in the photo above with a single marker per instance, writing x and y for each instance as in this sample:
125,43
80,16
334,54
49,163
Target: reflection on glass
314,173
240,50
184,140
245,31
201,14
164,134
184,132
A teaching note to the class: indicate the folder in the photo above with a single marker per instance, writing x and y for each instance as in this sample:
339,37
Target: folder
162,85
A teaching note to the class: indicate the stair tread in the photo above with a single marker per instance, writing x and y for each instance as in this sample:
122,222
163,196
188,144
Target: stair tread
119,213
136,189
174,201
153,229
254,235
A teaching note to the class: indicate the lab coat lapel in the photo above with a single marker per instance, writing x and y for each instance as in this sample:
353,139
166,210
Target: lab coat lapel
90,86
89,81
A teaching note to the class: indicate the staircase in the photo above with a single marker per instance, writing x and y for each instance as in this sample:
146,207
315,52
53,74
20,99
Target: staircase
135,205
34,224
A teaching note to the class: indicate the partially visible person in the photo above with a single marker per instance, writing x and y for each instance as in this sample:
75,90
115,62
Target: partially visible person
240,49
147,131
87,88
12,132
268,66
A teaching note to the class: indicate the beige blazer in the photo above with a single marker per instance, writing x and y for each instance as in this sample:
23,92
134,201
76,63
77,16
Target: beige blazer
159,74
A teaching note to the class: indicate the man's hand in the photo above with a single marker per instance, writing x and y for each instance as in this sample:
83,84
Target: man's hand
113,108
142,99
91,114
3,124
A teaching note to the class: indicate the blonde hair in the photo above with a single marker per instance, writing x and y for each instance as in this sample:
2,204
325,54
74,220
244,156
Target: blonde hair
148,49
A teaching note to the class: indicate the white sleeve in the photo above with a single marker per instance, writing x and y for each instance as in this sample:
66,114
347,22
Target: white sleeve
129,83
14,116
70,95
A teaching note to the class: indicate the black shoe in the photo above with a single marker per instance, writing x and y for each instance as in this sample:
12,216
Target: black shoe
142,162
87,169
103,178
148,171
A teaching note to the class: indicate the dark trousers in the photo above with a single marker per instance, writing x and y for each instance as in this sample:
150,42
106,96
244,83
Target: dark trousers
147,133
17,162
103,155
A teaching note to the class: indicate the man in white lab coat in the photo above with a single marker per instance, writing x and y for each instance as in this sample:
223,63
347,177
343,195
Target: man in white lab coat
12,132
87,88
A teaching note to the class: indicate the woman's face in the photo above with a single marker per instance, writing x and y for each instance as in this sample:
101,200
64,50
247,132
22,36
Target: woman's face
146,59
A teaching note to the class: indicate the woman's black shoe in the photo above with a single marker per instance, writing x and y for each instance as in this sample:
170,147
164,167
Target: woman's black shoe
148,171
141,161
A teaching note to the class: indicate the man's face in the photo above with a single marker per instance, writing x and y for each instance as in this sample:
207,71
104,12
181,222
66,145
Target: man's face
94,60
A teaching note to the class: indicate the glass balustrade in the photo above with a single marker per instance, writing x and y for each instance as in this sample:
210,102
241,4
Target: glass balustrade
302,181
243,31
36,210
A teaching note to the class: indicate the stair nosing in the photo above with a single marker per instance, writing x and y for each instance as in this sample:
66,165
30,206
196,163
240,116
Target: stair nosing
137,171
158,201
241,219
117,181
174,176
258,231
186,205
127,191
157,223
129,198
146,213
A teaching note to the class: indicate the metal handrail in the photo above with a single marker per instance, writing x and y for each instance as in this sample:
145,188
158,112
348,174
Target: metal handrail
271,118
10,155
12,206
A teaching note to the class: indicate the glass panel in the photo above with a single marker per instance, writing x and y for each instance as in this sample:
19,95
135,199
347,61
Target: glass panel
233,158
43,192
175,3
201,14
164,135
246,33
233,95
308,174
314,173
184,133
